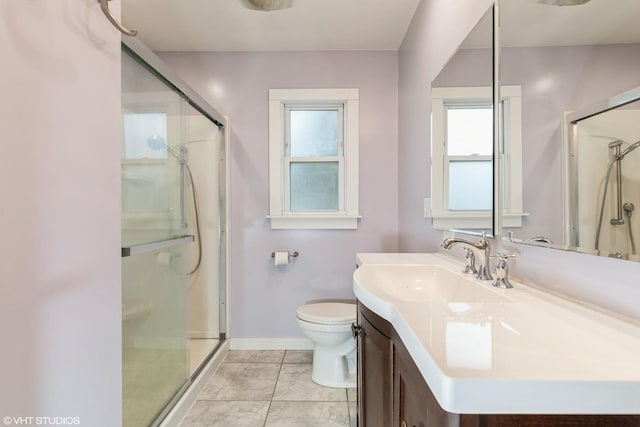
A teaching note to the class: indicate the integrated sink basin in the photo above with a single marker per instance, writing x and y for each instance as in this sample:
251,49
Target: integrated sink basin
423,283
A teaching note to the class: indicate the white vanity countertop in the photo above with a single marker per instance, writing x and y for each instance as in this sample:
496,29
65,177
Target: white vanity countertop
527,351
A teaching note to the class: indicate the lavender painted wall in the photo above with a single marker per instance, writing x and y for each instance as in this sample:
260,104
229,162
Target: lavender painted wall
607,283
437,28
60,308
264,298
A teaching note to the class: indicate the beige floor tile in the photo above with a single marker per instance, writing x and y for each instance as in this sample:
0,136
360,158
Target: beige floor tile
207,413
298,356
353,414
308,414
295,384
255,356
242,381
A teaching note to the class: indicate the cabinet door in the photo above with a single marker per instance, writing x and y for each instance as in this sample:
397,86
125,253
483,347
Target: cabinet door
410,398
375,376
413,403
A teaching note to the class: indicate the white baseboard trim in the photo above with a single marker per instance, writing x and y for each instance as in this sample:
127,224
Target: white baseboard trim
180,410
203,335
271,344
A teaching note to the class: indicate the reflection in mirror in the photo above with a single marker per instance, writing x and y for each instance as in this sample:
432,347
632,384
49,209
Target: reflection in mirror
605,181
462,136
563,60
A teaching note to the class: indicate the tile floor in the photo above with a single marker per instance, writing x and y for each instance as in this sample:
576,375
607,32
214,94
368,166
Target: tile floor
270,388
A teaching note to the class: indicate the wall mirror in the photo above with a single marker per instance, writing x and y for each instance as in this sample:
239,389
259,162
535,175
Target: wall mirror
462,143
575,64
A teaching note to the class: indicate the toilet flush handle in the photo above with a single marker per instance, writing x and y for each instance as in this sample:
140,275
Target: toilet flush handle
355,330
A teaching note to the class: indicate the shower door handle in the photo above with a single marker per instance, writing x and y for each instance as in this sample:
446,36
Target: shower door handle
154,246
104,5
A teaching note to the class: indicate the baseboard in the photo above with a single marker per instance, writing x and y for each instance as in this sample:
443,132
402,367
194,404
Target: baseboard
271,344
180,410
203,335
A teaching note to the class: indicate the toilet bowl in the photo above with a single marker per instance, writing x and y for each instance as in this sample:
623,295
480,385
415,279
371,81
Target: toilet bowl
328,326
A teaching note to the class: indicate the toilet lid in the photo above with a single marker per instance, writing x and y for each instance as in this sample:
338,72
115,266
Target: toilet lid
328,313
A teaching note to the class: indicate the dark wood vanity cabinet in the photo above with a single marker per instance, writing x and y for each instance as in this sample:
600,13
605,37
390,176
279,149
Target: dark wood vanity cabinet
413,403
393,393
375,357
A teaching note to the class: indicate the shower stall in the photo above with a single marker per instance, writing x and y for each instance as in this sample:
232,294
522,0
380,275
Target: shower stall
173,236
605,181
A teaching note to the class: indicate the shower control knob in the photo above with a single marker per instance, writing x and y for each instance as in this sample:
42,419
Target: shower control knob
355,330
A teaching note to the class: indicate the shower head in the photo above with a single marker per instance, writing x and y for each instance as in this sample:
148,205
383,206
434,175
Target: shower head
156,142
628,150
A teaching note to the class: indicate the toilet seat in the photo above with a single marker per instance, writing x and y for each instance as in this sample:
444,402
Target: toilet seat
328,313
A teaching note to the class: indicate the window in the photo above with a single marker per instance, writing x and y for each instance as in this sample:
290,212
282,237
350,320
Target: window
313,158
462,157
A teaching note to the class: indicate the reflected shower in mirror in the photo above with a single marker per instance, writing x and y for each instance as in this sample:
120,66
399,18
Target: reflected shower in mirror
462,136
570,64
604,179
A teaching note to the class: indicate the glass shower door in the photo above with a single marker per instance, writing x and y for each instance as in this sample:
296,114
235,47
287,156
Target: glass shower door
155,249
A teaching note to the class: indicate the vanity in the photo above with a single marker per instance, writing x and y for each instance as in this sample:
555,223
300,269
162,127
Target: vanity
440,348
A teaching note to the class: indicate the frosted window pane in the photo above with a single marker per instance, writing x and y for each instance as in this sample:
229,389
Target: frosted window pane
470,131
471,186
314,186
314,133
145,136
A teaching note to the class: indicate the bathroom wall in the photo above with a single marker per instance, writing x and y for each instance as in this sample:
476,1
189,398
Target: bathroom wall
60,314
603,282
264,298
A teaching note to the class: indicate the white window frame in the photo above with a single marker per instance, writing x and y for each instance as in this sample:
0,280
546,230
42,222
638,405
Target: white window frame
280,214
511,160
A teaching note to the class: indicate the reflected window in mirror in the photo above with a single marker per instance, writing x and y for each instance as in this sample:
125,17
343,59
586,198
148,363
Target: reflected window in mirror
462,157
462,142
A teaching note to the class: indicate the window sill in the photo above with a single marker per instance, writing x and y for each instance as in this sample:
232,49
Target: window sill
473,220
314,221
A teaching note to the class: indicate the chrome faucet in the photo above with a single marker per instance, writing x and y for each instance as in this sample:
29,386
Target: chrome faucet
482,251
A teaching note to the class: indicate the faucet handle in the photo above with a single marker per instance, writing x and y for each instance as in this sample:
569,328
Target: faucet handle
502,271
470,258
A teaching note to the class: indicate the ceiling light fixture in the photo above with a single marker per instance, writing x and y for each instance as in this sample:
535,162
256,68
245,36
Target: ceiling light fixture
563,2
267,5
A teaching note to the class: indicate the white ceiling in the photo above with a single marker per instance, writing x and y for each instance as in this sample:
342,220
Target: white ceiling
526,23
227,25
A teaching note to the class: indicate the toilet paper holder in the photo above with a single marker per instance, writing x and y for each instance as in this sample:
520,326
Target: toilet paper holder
291,254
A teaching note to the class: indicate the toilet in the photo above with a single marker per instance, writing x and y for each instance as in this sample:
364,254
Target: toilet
328,326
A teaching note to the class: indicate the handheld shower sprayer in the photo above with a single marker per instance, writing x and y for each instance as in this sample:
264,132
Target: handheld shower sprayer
615,161
157,142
